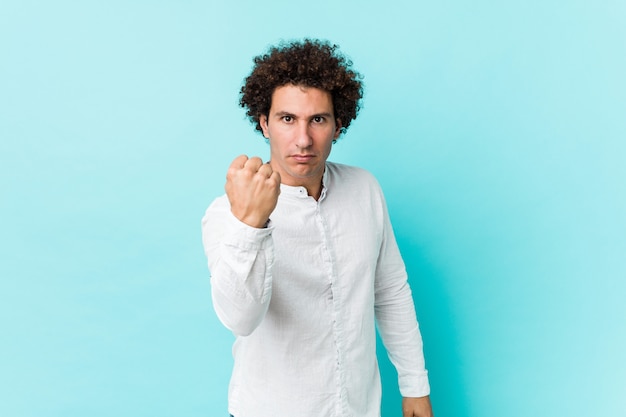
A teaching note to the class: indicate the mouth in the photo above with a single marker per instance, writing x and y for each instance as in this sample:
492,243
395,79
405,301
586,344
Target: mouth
302,158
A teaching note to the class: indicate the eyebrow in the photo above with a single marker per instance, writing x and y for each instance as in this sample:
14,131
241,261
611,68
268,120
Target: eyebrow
286,113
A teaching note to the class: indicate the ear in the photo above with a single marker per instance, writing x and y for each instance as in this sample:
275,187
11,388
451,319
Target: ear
337,129
263,123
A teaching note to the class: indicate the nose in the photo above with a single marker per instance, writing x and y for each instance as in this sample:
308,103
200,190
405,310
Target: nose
303,136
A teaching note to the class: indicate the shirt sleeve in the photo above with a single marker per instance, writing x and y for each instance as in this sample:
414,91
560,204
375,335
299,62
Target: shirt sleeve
240,259
396,318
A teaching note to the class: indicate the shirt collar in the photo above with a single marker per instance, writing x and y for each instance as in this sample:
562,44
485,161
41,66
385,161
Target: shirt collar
301,192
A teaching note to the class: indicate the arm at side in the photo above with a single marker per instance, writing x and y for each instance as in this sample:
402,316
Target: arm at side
396,318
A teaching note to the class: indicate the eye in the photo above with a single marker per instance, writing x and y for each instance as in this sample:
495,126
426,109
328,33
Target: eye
287,119
318,119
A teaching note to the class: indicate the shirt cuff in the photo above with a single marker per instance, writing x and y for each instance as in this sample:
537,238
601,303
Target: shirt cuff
245,236
414,386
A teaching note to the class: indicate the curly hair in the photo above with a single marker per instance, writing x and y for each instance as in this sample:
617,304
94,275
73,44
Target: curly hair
308,63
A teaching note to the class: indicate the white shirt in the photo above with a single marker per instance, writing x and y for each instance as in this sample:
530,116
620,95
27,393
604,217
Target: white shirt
302,297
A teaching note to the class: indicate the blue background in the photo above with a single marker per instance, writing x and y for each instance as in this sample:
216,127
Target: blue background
497,130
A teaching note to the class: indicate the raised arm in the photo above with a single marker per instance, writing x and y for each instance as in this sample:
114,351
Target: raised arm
238,244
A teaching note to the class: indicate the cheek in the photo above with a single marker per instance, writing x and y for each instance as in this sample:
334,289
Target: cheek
328,146
278,144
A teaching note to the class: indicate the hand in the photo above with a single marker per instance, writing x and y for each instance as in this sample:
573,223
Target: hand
252,188
416,407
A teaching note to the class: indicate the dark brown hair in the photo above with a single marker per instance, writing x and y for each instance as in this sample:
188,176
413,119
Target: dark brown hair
308,63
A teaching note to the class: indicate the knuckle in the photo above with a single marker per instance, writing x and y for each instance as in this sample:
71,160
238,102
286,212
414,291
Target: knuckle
239,161
231,172
254,162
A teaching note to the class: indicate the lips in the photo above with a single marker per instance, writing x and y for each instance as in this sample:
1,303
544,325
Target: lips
302,158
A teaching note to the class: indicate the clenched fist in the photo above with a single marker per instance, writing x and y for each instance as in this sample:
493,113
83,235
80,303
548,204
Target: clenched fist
252,188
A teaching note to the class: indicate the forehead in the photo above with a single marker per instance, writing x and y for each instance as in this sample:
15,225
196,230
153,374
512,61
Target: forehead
299,99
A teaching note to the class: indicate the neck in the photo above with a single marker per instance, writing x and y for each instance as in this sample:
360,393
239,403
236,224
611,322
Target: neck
316,191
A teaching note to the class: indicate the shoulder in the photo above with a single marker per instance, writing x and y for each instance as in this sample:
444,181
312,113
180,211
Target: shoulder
341,173
350,182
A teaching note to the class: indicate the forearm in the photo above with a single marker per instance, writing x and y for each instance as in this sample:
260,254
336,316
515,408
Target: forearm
240,260
399,330
241,285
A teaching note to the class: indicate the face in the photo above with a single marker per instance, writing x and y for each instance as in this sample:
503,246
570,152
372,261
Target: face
301,128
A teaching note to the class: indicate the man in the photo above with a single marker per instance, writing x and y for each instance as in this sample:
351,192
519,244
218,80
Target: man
302,255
